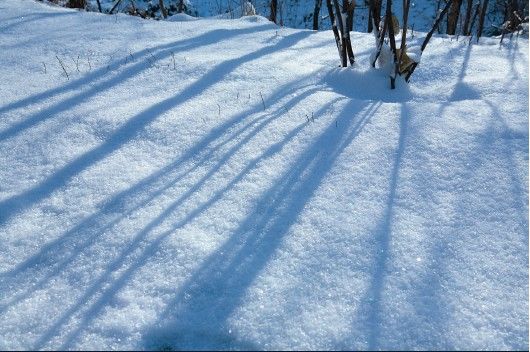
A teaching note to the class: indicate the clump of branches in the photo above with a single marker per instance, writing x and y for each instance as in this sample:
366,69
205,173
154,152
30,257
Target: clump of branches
514,19
402,63
134,11
153,10
341,18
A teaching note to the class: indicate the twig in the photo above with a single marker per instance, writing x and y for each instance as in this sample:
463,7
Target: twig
381,41
114,7
174,63
219,107
61,63
436,24
263,101
44,67
153,58
428,37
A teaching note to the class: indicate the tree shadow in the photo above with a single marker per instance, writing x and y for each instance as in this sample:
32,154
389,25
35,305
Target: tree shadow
352,83
514,54
510,138
203,304
67,247
151,248
372,300
462,90
155,184
424,325
143,59
494,177
428,325
127,131
33,17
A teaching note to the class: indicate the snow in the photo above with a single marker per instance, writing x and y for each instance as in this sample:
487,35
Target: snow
181,17
223,184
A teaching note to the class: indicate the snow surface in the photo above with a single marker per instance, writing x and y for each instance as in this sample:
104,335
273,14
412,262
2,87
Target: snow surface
223,184
181,17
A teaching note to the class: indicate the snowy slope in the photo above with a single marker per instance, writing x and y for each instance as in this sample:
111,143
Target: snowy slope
223,184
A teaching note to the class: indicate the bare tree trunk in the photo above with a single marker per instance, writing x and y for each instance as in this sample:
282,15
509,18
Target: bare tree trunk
513,9
274,10
348,7
114,7
474,18
514,6
376,11
406,9
452,16
99,5
334,28
344,55
381,37
340,31
428,37
481,19
316,14
467,21
435,26
370,25
374,15
162,8
392,39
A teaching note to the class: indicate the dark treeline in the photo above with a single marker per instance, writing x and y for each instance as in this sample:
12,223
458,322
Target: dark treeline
464,17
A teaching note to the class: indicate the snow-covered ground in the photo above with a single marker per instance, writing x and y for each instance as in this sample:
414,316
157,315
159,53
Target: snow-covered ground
223,184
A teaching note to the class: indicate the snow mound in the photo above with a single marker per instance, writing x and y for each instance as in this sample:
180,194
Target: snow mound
181,17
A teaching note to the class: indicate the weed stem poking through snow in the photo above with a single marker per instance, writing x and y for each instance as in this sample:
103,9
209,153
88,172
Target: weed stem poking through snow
263,101
64,69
